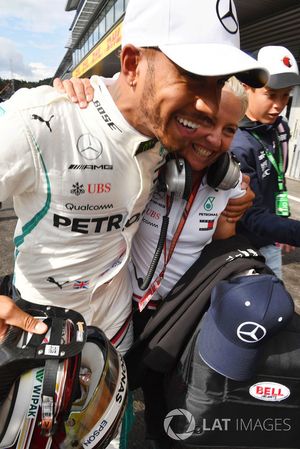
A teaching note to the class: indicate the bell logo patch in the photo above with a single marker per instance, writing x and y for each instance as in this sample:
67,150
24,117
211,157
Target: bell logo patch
269,391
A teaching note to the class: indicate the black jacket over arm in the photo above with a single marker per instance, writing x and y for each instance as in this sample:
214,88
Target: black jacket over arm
166,333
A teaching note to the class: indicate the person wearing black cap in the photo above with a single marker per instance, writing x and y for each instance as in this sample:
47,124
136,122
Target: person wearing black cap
261,145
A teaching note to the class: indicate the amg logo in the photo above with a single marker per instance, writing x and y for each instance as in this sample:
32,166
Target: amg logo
90,167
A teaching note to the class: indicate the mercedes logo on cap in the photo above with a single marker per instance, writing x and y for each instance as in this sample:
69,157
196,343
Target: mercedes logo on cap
226,15
89,147
251,332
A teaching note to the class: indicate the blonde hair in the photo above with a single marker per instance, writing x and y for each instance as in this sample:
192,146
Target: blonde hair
237,88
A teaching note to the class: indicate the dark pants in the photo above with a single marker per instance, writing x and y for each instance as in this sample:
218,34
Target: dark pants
153,390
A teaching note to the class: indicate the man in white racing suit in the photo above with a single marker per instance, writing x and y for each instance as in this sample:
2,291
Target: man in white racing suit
78,207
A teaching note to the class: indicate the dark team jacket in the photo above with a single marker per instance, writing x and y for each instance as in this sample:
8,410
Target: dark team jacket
260,223
166,334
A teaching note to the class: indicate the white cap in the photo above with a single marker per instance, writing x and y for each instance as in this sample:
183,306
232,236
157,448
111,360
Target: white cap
201,36
281,64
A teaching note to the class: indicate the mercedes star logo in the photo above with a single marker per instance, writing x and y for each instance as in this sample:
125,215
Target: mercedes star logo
89,147
251,332
227,16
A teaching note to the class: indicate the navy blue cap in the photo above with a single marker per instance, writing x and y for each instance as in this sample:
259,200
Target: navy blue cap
244,313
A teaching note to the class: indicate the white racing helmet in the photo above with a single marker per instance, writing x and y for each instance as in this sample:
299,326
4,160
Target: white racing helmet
64,389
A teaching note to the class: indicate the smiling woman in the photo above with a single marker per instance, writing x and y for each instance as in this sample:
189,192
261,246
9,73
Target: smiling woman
212,134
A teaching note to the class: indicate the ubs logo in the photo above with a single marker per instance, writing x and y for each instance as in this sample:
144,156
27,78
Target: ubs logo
80,189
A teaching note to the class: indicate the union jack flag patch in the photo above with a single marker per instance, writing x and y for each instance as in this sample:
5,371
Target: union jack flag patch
81,284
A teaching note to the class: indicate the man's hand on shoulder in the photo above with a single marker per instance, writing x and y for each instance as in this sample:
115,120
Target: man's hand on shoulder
236,207
79,90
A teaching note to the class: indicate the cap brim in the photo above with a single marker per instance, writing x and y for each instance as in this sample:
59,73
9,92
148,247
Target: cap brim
217,60
282,80
222,355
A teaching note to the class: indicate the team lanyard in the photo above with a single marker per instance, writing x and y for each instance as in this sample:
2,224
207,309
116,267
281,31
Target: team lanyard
278,166
281,197
157,282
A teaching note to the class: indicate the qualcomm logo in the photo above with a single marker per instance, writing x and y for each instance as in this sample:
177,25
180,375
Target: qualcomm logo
179,412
